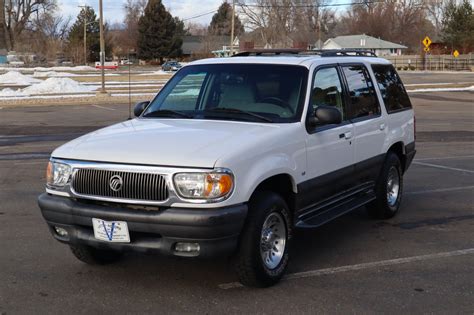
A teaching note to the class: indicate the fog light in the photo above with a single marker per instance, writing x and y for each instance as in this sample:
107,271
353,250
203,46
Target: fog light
61,231
187,247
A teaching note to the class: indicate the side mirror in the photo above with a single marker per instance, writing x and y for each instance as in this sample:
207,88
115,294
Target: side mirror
325,115
139,108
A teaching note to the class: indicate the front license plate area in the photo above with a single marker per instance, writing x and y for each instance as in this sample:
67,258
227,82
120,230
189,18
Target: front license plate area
111,231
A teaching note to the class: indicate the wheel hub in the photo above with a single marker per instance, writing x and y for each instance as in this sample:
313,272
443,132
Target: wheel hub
393,186
273,240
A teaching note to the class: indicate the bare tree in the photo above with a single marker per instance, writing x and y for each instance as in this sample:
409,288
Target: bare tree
19,15
133,11
3,30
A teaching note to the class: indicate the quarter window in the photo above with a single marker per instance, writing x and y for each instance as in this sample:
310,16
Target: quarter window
361,92
327,89
391,87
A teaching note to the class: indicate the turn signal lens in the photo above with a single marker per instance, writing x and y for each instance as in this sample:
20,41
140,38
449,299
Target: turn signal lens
207,186
49,173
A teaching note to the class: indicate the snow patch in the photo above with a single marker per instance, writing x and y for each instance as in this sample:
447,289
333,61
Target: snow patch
51,74
159,72
469,88
16,78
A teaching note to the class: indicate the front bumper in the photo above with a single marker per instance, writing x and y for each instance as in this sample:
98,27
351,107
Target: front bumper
216,230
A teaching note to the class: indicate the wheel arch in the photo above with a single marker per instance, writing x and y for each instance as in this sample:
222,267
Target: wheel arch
399,149
282,184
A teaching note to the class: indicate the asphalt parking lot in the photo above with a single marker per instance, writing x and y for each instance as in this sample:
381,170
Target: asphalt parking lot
422,261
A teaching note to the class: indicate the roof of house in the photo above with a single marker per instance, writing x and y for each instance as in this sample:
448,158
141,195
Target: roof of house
194,43
355,41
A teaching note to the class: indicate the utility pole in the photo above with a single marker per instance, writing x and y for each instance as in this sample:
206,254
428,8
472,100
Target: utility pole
102,47
85,35
232,29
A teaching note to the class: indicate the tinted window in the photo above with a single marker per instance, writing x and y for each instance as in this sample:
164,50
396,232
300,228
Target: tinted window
327,89
361,92
273,91
393,93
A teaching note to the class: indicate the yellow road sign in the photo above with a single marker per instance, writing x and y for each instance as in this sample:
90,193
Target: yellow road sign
456,54
426,41
427,49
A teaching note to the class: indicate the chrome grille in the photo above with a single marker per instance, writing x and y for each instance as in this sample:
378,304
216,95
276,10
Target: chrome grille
135,186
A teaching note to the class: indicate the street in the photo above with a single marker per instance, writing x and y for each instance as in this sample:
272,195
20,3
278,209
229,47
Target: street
351,265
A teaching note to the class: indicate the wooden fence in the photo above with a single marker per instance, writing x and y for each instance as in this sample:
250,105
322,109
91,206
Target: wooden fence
433,62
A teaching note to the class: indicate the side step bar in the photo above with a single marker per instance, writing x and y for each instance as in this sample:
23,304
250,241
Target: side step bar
331,209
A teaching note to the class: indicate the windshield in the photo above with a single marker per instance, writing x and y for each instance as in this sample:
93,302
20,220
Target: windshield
246,92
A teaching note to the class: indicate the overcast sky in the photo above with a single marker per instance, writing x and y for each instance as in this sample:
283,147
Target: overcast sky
113,9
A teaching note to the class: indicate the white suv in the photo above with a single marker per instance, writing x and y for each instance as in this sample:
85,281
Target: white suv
234,154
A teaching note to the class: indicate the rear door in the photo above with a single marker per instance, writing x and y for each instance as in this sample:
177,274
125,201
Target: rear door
369,124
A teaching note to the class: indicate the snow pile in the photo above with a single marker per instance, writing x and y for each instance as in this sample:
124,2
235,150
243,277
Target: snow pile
10,92
53,74
49,86
57,85
16,78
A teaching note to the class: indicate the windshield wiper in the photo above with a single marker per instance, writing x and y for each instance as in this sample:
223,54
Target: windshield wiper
237,111
167,113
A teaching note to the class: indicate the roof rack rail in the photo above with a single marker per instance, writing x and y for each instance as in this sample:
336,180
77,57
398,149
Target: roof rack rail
294,51
265,52
346,53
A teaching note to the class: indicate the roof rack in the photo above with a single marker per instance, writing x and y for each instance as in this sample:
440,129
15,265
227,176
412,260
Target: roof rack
294,51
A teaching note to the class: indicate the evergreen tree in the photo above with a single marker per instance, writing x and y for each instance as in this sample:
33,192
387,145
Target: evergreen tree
458,25
159,34
76,35
221,22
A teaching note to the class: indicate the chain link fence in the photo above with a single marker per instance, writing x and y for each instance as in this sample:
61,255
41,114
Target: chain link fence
433,62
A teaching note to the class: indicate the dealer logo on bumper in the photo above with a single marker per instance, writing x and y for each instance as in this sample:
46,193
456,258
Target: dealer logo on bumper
116,183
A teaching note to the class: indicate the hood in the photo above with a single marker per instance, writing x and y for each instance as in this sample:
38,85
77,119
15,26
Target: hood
164,142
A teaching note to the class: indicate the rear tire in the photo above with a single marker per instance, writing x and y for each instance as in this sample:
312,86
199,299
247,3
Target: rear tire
263,253
389,189
94,256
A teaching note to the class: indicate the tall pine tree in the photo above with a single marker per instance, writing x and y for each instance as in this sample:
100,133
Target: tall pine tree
221,22
159,34
458,25
76,36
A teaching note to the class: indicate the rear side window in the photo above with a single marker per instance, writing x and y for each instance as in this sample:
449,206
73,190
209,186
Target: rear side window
361,92
393,93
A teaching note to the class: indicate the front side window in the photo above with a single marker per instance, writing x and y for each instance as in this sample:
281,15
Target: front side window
327,89
361,92
391,87
246,92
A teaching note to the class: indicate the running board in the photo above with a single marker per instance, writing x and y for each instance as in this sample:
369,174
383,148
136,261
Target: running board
332,211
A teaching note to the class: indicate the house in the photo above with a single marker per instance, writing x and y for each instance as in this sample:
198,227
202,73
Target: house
202,46
365,42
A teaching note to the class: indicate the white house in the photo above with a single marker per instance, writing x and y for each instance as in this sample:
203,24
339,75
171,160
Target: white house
365,42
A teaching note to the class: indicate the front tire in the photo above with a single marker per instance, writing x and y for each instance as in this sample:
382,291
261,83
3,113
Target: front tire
94,256
263,254
389,189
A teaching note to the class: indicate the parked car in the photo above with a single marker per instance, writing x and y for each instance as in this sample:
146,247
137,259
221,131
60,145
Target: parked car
232,156
125,62
171,66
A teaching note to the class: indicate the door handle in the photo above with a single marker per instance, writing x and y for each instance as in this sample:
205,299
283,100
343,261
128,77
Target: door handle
382,126
346,135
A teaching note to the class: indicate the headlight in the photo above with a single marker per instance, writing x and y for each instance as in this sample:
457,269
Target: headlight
209,186
57,174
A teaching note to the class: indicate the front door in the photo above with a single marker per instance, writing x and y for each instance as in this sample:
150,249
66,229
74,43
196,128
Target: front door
329,147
